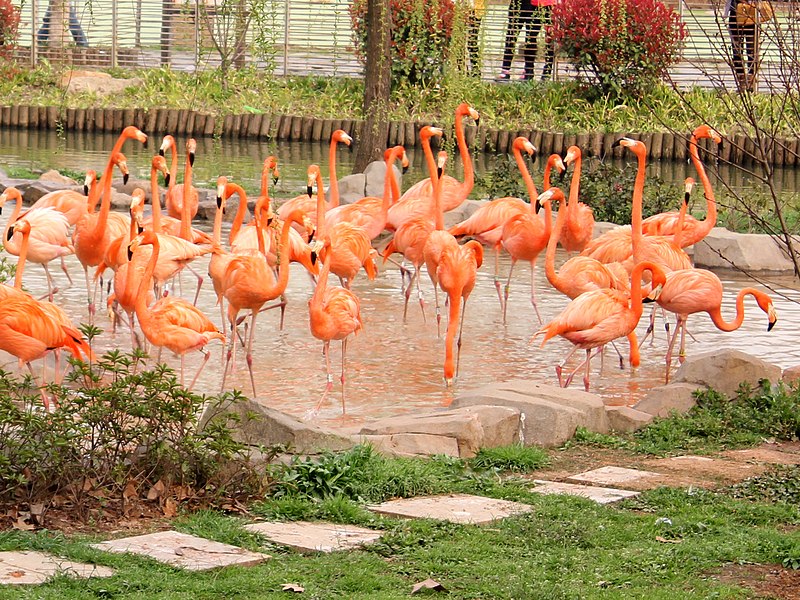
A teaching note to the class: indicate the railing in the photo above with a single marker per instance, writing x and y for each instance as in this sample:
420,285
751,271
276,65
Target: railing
315,37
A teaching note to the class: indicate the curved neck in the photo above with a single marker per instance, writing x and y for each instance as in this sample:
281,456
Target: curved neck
105,201
144,283
677,237
173,167
283,258
526,177
575,183
155,200
636,211
548,219
186,215
469,176
636,286
550,256
708,191
321,228
430,162
14,216
322,279
438,209
23,254
721,323
93,197
389,186
333,191
238,219
217,234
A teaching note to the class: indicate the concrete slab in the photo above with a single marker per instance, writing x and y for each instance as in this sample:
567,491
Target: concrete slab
304,536
611,476
456,508
600,495
18,568
183,550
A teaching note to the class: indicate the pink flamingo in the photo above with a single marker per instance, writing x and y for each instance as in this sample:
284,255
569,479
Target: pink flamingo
580,221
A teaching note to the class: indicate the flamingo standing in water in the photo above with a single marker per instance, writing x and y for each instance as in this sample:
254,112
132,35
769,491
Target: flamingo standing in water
334,313
580,222
596,318
171,323
182,200
416,200
486,224
690,291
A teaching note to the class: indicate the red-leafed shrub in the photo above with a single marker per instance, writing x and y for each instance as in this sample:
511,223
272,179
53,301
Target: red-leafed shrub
625,45
9,25
421,31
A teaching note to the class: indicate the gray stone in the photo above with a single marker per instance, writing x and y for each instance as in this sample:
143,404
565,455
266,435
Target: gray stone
411,444
724,369
34,190
305,536
263,425
352,188
21,184
456,508
473,427
662,400
183,550
462,212
550,414
53,176
601,495
625,418
102,86
611,476
748,251
120,201
791,375
601,227
375,174
18,568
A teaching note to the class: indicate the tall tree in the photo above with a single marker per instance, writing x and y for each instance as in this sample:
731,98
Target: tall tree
377,85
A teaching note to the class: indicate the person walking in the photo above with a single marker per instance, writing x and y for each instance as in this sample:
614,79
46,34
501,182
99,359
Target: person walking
534,16
744,22
474,17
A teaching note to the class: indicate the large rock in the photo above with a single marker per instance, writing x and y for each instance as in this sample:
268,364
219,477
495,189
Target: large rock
625,418
412,444
723,249
102,86
53,176
462,212
352,188
262,425
120,201
549,414
791,375
723,370
473,428
665,399
33,190
375,175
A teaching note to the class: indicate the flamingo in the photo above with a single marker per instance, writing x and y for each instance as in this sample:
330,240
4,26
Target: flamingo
334,313
370,212
249,283
416,199
70,203
524,236
49,235
596,318
580,222
457,271
182,199
270,165
305,202
350,245
690,291
693,230
171,322
486,224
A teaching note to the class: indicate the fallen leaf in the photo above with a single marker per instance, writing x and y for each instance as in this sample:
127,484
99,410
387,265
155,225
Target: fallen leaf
37,509
428,584
664,540
293,587
88,484
130,491
156,491
170,508
23,525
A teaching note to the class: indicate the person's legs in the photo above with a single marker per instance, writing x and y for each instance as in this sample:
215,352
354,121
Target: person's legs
749,35
531,30
737,43
44,30
75,28
545,14
512,33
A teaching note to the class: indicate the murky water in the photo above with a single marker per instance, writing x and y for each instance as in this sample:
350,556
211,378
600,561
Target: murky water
396,367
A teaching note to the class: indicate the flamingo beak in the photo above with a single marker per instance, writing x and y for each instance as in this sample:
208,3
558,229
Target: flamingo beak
773,317
275,180
771,325
191,159
536,206
125,178
85,193
219,201
313,257
139,228
309,191
10,233
439,171
130,253
311,233
166,179
161,151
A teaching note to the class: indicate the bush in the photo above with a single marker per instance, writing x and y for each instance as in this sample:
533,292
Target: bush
421,31
625,45
9,25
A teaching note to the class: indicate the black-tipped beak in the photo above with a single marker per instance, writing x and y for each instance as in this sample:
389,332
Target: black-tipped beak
161,152
562,175
191,159
275,180
125,178
616,143
311,235
269,221
219,201
686,198
85,193
10,233
1,209
139,228
536,206
405,170
146,141
771,325
166,179
313,257
309,191
130,253
478,121
648,300
439,172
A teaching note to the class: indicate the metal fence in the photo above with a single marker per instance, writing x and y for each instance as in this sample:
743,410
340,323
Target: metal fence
315,37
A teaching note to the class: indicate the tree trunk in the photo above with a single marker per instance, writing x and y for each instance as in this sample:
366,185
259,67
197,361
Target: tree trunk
377,85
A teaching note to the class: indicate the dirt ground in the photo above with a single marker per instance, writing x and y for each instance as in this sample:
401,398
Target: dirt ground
766,581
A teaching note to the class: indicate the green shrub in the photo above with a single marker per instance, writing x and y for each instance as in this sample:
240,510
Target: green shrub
7,269
516,458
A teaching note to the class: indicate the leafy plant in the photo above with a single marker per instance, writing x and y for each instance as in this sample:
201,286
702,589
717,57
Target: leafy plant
420,37
516,458
624,45
780,484
9,26
7,269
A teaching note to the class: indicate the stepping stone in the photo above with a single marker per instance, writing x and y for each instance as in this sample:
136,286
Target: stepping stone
611,476
456,508
35,567
600,495
182,550
304,536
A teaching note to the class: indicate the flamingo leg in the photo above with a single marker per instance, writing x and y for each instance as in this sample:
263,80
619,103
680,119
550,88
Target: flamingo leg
421,300
407,293
560,368
183,357
344,353
460,330
66,272
438,308
206,356
403,272
45,399
497,276
249,355
199,283
682,353
533,292
52,289
507,289
89,298
671,347
329,385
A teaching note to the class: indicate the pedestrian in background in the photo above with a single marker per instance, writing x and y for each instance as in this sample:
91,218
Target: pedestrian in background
534,16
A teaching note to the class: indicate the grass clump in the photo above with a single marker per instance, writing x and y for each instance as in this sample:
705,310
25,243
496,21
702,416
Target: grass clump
516,459
779,484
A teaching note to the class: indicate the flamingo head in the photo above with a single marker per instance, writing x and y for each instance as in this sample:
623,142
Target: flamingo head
91,177
523,144
573,154
340,135
636,146
556,162
688,186
765,304
137,208
658,279
554,194
22,226
159,165
144,238
317,248
441,159
313,174
706,131
222,196
404,159
133,133
167,143
428,131
465,109
191,148
271,164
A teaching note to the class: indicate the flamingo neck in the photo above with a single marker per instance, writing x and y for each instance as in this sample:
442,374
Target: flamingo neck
238,219
14,215
105,200
333,190
322,279
186,215
389,186
217,234
575,182
708,191
93,197
636,211
677,237
546,179
430,162
141,294
526,177
321,226
463,149
283,257
548,219
636,287
173,167
155,200
23,254
721,323
438,209
550,256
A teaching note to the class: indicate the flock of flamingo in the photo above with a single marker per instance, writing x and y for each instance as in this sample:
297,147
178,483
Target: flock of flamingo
607,281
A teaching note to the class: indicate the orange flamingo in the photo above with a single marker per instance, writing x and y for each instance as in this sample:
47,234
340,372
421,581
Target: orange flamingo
305,202
249,283
525,235
596,318
416,199
457,271
690,291
486,224
580,223
49,238
72,204
370,212
334,313
171,322
182,199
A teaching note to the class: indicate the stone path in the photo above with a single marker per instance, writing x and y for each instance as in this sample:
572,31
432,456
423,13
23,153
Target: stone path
305,536
18,568
601,495
611,476
456,508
